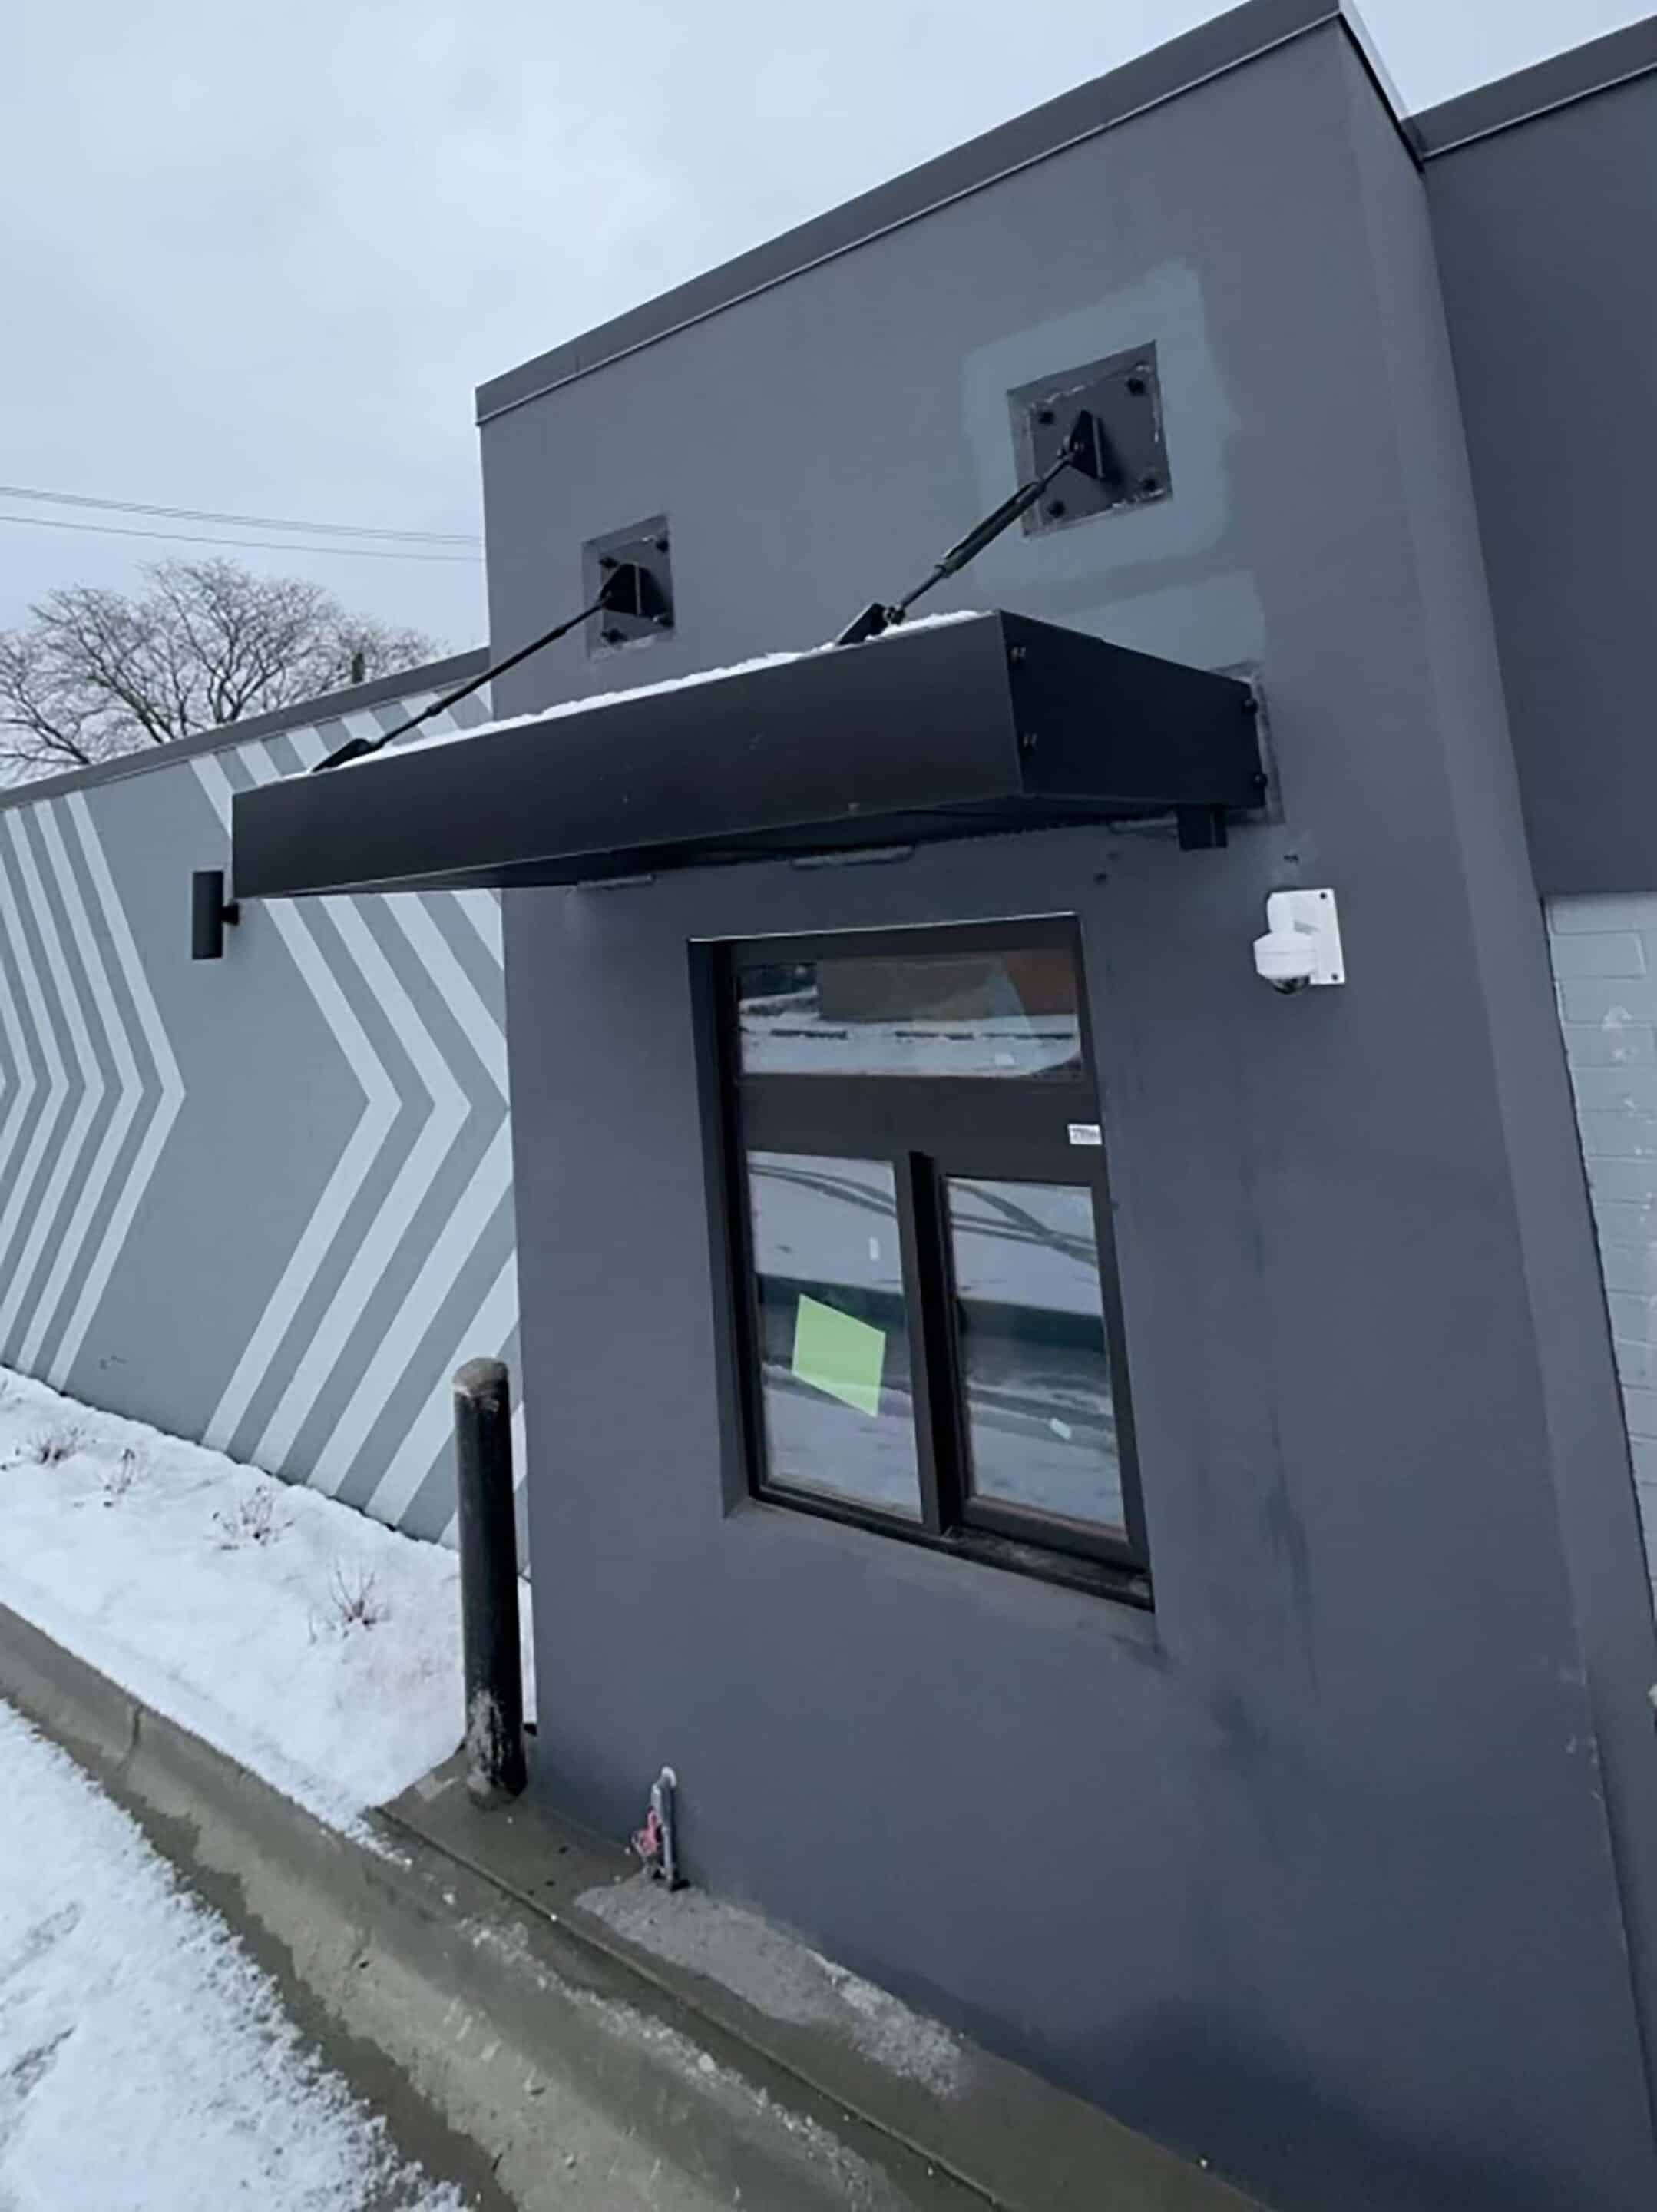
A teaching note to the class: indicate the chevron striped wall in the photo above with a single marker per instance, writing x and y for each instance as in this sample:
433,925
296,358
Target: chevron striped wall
264,1202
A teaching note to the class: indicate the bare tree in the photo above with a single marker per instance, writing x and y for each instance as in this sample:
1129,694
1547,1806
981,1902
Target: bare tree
99,673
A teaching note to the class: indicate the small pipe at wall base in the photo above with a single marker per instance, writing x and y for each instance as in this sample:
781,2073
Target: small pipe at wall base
658,1842
664,1803
495,1769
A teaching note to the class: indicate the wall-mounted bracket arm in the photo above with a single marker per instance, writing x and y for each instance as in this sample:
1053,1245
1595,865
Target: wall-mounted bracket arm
623,585
1086,449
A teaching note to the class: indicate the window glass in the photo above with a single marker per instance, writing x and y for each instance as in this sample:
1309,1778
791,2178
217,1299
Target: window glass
1011,1012
924,1052
1041,1417
834,1328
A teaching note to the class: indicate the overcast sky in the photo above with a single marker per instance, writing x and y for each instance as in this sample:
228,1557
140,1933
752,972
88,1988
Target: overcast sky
256,258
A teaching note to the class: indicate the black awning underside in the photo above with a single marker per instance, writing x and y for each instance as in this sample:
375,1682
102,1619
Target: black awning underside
959,728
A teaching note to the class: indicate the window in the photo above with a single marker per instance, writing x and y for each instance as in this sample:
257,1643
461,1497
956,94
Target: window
832,1335
998,1012
925,1335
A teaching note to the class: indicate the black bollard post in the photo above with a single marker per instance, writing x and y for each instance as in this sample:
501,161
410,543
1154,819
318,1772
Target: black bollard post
488,1583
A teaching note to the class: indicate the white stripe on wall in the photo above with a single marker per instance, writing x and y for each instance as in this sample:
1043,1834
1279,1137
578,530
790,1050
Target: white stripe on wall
57,1084
91,1190
168,1103
29,1082
492,1324
68,1154
469,1217
395,1216
350,1171
482,910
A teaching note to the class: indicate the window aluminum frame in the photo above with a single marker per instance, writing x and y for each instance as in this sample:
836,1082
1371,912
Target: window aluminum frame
931,1129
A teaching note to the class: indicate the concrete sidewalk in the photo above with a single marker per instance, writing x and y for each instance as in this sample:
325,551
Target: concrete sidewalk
547,2029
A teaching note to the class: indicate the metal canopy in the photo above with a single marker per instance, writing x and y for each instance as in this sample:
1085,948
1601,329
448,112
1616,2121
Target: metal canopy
958,728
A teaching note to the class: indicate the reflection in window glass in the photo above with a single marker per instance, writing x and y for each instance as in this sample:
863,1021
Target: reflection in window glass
834,1328
1011,1012
1040,1419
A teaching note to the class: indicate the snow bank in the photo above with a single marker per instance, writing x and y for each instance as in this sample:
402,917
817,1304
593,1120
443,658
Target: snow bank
300,1639
145,2061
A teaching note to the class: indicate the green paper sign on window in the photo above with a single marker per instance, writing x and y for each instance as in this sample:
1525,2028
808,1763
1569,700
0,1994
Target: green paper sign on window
836,1352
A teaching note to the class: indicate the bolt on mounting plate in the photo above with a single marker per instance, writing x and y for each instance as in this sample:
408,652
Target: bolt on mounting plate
1123,394
647,613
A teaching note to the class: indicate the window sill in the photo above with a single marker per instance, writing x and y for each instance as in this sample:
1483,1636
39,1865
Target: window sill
1127,1586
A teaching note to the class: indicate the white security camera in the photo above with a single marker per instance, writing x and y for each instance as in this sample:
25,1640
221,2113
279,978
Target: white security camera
1286,959
1301,945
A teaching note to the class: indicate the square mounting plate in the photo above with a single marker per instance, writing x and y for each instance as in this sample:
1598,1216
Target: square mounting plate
648,616
1124,398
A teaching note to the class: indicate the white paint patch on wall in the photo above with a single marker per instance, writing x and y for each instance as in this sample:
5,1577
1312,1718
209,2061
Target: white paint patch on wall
1604,964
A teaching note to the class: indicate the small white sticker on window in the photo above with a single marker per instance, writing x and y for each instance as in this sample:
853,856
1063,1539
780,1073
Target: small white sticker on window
1086,1132
874,1247
1062,1430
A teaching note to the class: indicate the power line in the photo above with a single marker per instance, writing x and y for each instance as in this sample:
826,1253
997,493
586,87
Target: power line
265,544
252,521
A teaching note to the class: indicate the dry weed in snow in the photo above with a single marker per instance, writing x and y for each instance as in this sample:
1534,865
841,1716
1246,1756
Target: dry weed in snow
252,1520
51,1447
122,1472
303,1640
354,1598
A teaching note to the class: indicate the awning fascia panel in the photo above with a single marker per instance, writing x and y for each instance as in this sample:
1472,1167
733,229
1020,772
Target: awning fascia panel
984,724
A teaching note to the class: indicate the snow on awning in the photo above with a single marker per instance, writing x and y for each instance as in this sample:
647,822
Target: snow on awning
955,728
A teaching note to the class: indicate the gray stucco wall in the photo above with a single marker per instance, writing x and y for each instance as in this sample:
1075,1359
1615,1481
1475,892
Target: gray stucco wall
1547,236
264,1202
1333,1870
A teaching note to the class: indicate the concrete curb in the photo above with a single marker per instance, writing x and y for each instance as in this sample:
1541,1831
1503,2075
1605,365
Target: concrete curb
536,2062
1009,2136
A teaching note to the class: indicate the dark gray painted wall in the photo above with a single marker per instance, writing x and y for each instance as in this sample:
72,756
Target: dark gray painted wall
1547,238
1577,73
1313,1874
1599,1520
1227,42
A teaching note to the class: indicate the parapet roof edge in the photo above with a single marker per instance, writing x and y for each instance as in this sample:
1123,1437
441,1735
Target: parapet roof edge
1580,73
1242,35
432,675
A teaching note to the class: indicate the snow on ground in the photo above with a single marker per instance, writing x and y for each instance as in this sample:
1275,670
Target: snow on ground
145,2061
309,1643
